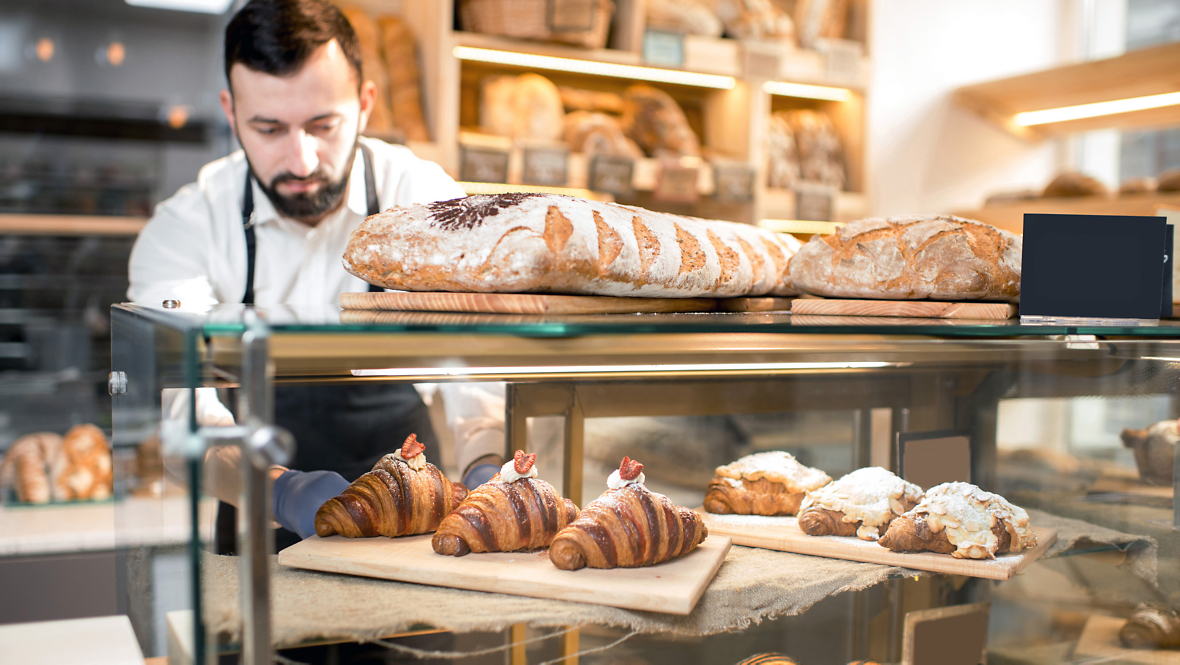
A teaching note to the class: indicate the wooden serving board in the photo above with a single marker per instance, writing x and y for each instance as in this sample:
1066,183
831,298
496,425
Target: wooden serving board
519,303
1100,640
783,534
673,587
767,304
908,308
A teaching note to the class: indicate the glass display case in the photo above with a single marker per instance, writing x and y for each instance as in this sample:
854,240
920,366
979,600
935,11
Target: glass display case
1075,424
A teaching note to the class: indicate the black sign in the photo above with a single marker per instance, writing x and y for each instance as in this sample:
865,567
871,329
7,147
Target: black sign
611,174
1093,266
677,184
545,166
483,165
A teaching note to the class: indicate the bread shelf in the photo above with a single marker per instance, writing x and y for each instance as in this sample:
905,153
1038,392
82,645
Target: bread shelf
780,204
70,225
1142,73
1011,216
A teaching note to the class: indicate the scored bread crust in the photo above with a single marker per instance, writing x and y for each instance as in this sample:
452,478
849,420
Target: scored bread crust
547,243
912,258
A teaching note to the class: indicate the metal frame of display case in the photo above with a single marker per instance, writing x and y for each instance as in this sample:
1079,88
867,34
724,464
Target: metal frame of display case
582,368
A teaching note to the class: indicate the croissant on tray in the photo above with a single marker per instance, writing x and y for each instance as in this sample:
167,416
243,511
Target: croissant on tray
1151,627
962,520
403,495
627,526
767,483
861,504
513,511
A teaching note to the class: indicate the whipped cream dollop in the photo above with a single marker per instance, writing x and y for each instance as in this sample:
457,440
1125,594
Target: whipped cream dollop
508,472
417,462
616,480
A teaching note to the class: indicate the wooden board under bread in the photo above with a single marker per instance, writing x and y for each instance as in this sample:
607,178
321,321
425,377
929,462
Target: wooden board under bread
519,303
905,308
784,534
1100,640
673,587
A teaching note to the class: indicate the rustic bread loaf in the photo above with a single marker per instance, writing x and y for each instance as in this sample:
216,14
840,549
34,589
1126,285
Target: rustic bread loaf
400,50
911,258
545,243
1072,183
580,99
368,36
818,19
821,155
782,157
754,19
598,134
692,17
1168,181
526,106
656,122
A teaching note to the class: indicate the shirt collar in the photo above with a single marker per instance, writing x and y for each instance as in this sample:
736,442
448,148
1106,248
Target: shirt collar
355,199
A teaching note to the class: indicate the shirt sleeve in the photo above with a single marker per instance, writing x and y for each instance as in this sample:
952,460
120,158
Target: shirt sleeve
170,257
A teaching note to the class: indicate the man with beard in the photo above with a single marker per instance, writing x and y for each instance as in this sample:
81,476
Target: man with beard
268,225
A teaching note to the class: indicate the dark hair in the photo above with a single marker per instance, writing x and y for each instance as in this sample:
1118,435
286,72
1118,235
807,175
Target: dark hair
277,37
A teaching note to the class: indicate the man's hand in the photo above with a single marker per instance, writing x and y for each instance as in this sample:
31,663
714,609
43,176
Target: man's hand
298,495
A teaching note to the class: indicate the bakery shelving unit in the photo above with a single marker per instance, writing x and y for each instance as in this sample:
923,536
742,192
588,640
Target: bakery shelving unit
730,119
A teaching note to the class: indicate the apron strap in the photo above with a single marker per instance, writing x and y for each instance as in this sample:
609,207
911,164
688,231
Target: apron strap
373,205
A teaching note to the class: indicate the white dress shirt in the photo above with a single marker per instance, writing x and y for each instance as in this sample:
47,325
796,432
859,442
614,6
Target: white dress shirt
194,247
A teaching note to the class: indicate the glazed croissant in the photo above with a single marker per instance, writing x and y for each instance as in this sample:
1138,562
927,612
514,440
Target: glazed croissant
627,526
403,495
513,511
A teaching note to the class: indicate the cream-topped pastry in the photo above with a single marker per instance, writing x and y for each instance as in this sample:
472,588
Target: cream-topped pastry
411,453
969,517
629,472
776,466
521,465
871,496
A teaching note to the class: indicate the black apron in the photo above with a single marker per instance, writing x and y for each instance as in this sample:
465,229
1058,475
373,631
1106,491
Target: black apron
344,428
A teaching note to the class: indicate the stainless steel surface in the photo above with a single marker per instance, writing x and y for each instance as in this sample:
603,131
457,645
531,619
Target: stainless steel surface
117,383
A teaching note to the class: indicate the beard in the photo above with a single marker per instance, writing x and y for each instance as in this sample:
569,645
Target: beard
307,206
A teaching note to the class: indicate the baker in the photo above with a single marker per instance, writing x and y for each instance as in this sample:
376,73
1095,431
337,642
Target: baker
268,225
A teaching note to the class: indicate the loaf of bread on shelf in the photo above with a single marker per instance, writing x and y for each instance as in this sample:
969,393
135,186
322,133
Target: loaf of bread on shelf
627,526
1132,186
581,99
598,134
1151,627
961,520
782,155
911,258
691,17
368,36
1154,448
82,469
522,107
861,504
1071,184
513,511
820,19
754,19
25,467
1168,181
657,123
403,495
400,51
547,243
821,154
767,483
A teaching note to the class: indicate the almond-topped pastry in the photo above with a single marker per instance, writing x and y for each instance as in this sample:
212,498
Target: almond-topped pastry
962,520
513,511
861,503
403,495
627,526
769,483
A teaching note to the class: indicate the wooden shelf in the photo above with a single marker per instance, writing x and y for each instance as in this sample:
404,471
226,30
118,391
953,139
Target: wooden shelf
1151,71
780,204
1011,216
70,225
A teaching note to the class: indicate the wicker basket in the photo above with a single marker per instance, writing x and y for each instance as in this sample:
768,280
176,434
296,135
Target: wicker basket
534,19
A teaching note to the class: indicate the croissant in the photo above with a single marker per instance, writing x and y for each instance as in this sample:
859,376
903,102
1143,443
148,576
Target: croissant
767,659
25,466
512,511
769,483
962,520
1151,627
627,526
82,469
862,504
403,495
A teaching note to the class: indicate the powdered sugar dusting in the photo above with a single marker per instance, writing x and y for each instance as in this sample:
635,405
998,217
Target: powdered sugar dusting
872,496
776,466
968,515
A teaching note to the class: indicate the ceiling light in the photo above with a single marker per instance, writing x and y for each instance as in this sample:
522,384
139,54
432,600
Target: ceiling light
616,70
44,49
784,89
201,6
1096,109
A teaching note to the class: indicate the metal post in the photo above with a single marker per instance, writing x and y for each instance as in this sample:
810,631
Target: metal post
1176,487
575,427
862,438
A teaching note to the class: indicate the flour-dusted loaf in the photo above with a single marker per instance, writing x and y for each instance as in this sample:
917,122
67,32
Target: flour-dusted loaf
911,258
546,243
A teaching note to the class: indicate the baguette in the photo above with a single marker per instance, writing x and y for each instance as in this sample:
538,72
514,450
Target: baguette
546,243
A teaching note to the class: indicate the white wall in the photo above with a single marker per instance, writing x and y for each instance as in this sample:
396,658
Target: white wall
928,155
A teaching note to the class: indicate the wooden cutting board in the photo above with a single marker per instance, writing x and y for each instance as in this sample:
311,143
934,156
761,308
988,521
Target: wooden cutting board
783,534
908,308
673,587
1100,642
519,303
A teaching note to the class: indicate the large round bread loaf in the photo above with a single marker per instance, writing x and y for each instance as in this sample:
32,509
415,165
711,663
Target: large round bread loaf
546,243
911,258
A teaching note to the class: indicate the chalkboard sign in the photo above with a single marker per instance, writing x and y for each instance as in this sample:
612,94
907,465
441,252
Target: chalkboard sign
932,458
483,165
1093,266
676,183
733,184
663,48
611,174
546,166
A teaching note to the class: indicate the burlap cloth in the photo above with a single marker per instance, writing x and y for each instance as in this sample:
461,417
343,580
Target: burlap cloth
753,584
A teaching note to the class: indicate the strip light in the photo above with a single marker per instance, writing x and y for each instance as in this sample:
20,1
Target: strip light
618,369
800,226
1096,109
784,89
200,6
616,70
